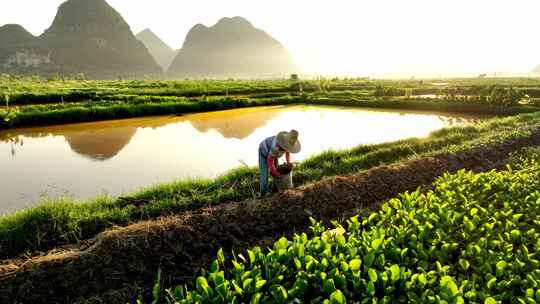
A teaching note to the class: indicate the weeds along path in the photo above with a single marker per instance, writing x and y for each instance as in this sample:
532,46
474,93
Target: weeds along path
112,266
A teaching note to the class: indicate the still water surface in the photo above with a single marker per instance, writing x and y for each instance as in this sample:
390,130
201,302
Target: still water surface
87,159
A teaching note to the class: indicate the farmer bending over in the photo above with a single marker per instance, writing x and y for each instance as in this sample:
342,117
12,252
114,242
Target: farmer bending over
273,148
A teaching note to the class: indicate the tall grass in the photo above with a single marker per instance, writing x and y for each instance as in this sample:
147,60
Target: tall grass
139,106
35,91
95,111
27,91
66,221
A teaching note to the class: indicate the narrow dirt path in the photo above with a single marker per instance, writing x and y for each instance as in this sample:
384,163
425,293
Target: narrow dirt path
115,263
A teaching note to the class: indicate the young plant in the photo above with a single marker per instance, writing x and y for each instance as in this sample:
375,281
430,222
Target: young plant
472,238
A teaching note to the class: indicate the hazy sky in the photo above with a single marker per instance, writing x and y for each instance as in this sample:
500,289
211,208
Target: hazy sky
359,37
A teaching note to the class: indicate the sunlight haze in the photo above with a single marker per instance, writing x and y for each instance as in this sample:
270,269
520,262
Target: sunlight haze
364,38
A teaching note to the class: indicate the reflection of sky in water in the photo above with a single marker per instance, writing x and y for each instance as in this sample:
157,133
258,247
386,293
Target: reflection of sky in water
87,159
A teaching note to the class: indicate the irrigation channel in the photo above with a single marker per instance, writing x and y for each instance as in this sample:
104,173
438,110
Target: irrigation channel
87,159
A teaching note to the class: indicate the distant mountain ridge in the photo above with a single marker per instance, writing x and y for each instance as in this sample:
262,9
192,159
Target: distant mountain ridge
90,37
13,34
162,52
20,52
86,36
233,47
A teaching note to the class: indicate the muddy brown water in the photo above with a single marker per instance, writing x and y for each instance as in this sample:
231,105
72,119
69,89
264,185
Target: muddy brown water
115,157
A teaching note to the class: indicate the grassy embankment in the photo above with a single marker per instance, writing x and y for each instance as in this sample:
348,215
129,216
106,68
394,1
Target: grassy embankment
31,92
472,238
35,115
66,221
36,91
59,102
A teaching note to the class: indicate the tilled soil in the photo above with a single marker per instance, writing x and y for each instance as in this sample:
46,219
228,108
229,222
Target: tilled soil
113,265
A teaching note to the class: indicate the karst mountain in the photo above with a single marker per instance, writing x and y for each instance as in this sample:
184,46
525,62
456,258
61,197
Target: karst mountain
231,48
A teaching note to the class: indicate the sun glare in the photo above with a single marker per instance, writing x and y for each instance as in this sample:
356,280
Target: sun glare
363,38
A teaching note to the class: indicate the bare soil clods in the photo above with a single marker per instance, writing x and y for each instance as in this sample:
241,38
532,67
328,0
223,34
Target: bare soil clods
115,263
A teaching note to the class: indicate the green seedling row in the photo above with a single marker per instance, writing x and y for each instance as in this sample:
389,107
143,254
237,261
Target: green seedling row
473,238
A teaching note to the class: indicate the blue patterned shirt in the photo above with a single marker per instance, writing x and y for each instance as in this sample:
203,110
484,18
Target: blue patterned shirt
269,147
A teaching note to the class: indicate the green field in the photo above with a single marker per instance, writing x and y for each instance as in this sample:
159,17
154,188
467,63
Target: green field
31,101
65,221
470,237
473,238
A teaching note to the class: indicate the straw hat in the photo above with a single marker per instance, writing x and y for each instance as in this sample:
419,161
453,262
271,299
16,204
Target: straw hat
289,141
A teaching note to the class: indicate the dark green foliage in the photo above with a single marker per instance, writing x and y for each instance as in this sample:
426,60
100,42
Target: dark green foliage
52,97
94,111
127,106
472,238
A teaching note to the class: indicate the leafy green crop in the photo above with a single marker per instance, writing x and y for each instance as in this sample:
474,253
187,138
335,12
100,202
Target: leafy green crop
473,238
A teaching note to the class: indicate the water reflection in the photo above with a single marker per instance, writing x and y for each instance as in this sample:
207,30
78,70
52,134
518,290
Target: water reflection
237,124
97,141
104,140
120,156
100,145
